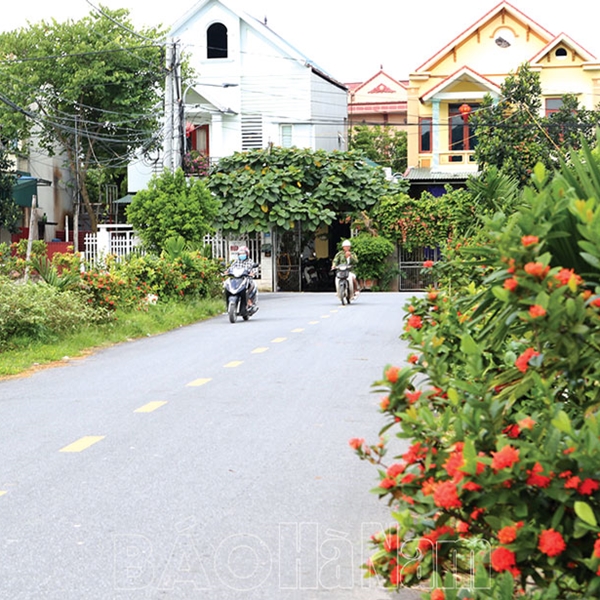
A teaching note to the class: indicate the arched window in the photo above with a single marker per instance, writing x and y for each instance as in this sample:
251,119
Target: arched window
216,41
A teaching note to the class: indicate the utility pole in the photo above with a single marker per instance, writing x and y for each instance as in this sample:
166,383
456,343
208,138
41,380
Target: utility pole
173,125
76,203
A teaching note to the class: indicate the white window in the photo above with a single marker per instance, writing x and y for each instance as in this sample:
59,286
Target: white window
286,136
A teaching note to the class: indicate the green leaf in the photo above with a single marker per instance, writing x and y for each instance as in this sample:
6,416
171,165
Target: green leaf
585,512
563,423
468,345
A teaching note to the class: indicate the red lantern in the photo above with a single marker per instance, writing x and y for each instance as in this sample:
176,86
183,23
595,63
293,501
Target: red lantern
465,111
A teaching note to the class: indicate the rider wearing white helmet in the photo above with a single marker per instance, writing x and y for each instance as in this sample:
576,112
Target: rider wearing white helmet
346,256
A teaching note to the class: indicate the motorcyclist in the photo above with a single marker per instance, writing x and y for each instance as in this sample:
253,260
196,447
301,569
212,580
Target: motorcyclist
346,256
243,260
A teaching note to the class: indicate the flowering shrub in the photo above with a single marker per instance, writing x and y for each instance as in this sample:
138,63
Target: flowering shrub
196,163
498,493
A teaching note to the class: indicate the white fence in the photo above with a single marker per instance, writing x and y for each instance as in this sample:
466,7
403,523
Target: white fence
121,241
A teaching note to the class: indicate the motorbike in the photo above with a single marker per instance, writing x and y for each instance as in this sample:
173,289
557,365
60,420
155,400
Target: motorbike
237,286
343,285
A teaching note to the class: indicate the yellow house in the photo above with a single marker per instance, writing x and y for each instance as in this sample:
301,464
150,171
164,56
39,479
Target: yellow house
445,89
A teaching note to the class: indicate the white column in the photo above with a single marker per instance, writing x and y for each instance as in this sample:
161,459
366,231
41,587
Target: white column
216,137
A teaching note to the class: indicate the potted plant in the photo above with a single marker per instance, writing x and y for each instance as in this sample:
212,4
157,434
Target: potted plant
374,268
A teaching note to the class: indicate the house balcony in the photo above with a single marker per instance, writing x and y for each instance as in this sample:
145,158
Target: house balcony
456,160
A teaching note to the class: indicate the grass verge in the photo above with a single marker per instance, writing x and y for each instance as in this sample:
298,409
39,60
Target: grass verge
26,355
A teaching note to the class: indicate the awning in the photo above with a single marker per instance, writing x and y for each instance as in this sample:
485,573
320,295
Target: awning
25,188
124,200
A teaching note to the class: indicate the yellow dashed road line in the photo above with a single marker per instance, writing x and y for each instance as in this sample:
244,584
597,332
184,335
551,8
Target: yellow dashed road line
325,316
83,443
198,382
278,340
2,492
259,350
150,407
233,364
299,330
313,322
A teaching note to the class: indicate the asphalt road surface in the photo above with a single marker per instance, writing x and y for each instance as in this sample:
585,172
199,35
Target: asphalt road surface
208,463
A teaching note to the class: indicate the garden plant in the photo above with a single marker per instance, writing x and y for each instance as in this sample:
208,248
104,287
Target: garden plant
489,456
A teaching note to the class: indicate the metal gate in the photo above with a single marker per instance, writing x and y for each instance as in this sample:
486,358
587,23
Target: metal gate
412,277
288,259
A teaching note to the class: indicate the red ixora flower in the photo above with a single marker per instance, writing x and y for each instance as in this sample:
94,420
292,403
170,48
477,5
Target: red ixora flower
503,559
446,495
551,542
505,458
507,535
438,594
535,311
511,284
414,321
536,479
391,374
412,397
356,443
588,487
526,423
536,269
565,276
428,264
529,240
522,363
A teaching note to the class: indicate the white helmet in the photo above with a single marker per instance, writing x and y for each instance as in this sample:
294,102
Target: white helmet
346,243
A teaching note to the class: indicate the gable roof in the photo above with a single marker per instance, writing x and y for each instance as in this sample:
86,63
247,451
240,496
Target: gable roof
382,87
563,38
464,73
494,12
261,28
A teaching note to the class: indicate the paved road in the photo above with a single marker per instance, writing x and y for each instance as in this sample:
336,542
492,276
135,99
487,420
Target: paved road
207,463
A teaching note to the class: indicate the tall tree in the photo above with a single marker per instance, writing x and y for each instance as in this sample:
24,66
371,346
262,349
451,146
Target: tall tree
384,145
9,211
88,90
513,135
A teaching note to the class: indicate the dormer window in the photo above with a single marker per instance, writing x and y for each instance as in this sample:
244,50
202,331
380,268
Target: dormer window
560,53
216,41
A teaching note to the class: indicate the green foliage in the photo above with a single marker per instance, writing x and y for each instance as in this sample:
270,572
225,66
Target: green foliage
12,257
41,312
512,135
384,145
262,189
424,221
372,253
9,211
500,403
172,206
89,87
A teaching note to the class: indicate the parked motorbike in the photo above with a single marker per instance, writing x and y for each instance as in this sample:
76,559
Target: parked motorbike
343,286
241,296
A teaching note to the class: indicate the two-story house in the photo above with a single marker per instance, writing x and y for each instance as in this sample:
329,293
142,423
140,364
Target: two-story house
449,85
252,89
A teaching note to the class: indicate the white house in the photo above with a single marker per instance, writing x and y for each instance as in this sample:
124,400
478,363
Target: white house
252,89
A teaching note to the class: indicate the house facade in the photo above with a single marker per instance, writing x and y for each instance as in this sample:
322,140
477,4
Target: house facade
253,89
381,100
446,88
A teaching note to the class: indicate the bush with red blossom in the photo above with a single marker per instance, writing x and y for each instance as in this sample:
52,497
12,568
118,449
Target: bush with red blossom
498,493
